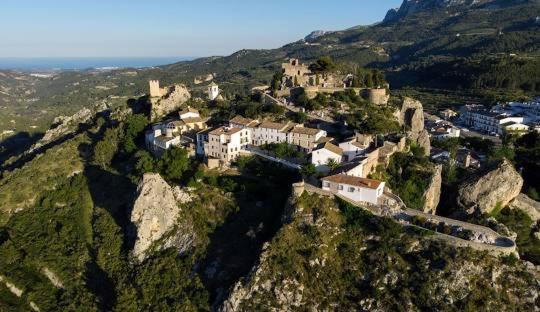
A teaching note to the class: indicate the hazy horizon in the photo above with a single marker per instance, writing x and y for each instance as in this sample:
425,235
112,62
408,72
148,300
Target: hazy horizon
140,29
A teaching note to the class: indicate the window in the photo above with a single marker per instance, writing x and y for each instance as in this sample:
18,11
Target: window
340,187
351,189
326,184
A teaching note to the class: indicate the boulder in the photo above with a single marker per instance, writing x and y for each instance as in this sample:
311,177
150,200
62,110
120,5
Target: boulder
527,205
177,96
156,214
411,115
497,186
432,195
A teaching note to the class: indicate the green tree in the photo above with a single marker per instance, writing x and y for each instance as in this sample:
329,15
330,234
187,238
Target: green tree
106,149
332,164
134,127
276,81
174,163
144,162
308,170
323,65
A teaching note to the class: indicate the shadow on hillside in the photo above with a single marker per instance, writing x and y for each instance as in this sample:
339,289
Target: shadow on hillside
17,144
236,246
27,157
116,195
140,105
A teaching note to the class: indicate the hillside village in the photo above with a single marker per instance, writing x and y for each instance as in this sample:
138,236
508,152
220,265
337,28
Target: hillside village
334,158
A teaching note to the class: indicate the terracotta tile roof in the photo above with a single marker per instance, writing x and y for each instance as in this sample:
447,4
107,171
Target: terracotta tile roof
223,130
332,148
324,140
306,131
354,181
239,120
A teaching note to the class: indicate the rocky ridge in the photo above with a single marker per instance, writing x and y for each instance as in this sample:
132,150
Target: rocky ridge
409,7
155,215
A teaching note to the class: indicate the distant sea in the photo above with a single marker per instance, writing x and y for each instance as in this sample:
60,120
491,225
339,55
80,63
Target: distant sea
82,63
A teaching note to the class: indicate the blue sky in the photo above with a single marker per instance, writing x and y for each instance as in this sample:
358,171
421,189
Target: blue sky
108,28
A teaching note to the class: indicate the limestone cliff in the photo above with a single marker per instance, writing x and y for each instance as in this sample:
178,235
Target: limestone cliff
495,187
432,195
155,215
527,205
411,115
178,95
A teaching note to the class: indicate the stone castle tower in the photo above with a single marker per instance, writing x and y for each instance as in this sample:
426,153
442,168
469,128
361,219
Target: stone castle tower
155,90
213,91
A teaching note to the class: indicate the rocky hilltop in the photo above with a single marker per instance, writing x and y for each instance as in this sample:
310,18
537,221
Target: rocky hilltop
177,96
155,215
494,188
413,6
411,115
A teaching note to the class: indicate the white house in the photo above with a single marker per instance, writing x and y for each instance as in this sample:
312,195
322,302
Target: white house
489,122
355,168
444,132
306,139
356,146
213,91
321,157
515,127
271,132
189,112
161,137
226,143
354,188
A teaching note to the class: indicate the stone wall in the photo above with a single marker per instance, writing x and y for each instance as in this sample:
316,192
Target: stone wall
167,104
378,96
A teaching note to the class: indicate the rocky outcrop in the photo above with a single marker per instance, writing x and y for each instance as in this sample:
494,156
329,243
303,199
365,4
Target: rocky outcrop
155,215
177,96
413,6
287,293
495,187
411,116
527,205
53,278
64,125
315,34
14,289
432,195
